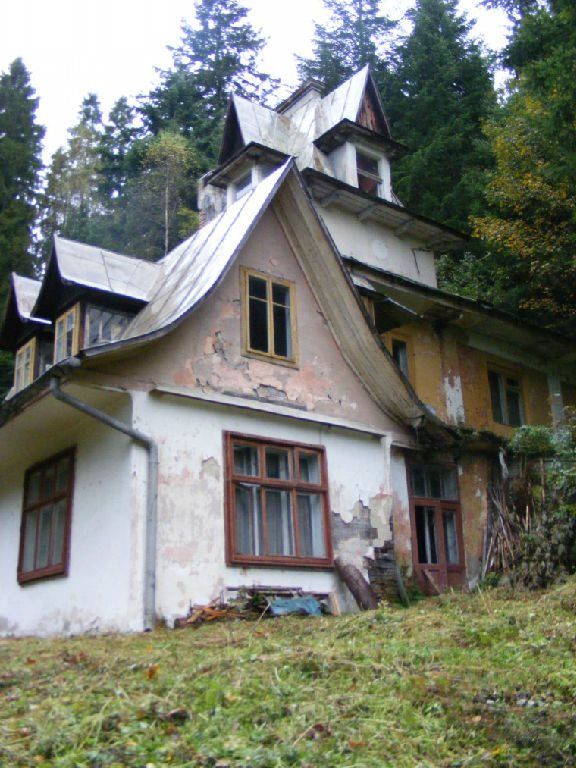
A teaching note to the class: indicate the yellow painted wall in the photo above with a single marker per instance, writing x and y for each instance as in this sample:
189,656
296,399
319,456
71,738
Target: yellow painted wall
437,358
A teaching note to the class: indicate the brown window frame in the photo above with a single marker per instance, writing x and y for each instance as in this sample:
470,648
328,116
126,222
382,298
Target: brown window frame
270,355
294,485
53,569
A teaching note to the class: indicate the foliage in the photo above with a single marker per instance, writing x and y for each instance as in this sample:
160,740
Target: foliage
441,94
20,165
534,515
356,35
532,226
475,680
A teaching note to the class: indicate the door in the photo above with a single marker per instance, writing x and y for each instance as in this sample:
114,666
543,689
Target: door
437,546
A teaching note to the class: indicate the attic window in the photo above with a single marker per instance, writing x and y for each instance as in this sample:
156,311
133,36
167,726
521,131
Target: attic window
103,326
243,185
67,333
368,168
24,365
268,315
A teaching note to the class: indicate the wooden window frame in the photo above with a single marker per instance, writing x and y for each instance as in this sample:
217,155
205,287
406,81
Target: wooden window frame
31,345
389,338
504,373
294,485
61,323
54,569
270,356
86,323
360,151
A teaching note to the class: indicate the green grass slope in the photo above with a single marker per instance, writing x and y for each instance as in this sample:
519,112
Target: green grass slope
462,680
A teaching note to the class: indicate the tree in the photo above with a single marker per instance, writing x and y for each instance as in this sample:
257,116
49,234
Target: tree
217,54
355,36
442,92
157,216
532,226
20,166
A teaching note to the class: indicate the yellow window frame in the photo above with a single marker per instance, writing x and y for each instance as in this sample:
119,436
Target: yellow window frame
245,275
60,332
24,376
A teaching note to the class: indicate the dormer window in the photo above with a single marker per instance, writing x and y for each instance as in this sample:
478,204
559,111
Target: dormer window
24,365
67,334
243,185
368,168
103,326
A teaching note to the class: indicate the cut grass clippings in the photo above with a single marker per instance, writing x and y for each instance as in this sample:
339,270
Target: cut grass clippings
462,680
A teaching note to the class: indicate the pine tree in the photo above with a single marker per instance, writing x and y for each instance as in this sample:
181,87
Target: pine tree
20,166
356,35
217,55
442,93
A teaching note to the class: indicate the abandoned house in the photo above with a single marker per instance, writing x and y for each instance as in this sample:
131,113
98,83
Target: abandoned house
287,386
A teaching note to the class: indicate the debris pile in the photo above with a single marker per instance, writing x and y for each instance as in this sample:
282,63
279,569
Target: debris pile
257,602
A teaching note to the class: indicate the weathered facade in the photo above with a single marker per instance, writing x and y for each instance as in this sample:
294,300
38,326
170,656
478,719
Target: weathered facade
285,387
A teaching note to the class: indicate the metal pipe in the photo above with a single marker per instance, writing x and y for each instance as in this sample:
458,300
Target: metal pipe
151,492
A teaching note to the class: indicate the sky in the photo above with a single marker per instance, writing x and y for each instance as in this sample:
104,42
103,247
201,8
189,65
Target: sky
114,47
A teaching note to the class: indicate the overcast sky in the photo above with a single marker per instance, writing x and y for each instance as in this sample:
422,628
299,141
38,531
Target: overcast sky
113,47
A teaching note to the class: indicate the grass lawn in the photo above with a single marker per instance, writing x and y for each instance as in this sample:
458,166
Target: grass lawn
461,680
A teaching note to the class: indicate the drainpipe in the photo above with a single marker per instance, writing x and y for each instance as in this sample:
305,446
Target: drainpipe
151,492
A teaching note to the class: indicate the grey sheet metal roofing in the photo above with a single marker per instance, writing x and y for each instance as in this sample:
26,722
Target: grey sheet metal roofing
104,270
294,133
26,292
192,269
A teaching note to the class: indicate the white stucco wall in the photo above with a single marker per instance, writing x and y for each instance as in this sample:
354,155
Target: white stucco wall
379,247
103,589
191,546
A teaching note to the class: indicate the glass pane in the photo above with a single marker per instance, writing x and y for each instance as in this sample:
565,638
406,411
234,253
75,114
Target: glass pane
29,541
249,531
63,474
418,481
434,483
243,185
246,460
33,488
368,184
495,397
47,488
367,163
513,406
258,325
309,467
449,484
43,556
311,525
282,331
59,519
280,294
450,537
279,524
400,355
45,356
257,287
426,535
94,320
278,463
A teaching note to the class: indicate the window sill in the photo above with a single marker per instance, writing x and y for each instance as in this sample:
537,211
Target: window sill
281,562
273,359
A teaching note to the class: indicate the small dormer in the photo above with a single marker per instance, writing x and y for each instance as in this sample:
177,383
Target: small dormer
309,94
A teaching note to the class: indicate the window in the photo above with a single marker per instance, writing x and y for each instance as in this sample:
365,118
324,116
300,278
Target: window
368,169
24,365
103,325
277,503
400,355
46,516
243,185
269,323
506,398
67,334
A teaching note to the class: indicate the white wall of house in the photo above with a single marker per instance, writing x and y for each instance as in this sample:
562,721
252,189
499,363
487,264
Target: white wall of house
191,545
103,589
379,247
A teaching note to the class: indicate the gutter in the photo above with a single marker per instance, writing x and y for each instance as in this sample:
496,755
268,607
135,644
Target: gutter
149,601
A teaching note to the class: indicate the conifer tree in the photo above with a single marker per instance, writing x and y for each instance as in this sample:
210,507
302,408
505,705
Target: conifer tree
441,95
358,33
20,165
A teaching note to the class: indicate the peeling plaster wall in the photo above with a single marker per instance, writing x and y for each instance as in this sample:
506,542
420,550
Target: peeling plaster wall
103,590
191,543
401,511
205,351
377,246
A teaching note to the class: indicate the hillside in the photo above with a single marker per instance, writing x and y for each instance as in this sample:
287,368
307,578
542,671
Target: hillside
462,680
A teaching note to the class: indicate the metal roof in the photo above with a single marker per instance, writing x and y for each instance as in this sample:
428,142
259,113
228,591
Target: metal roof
26,292
192,269
103,270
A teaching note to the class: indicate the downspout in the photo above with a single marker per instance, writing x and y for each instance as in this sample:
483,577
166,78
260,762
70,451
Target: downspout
151,491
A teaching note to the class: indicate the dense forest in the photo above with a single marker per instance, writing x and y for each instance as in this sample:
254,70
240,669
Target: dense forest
498,166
